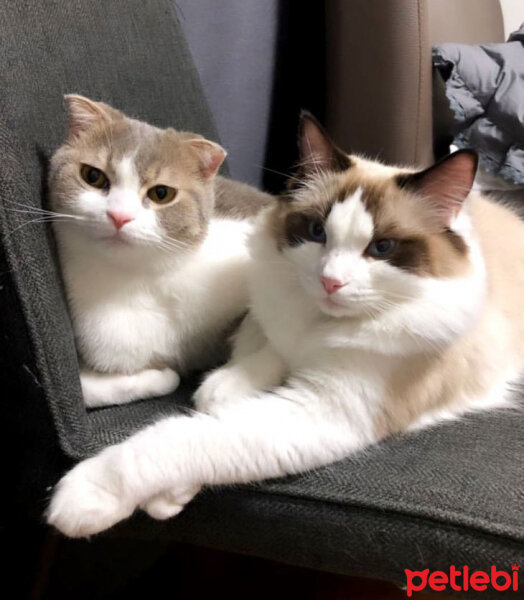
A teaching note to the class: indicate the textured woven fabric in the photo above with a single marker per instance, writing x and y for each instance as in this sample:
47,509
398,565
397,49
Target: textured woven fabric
451,494
330,536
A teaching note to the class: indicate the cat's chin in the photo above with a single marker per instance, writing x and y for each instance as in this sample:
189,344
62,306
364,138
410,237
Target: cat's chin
123,248
118,248
101,237
334,309
119,241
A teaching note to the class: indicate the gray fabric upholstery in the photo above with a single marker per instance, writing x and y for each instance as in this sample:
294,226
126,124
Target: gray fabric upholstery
330,536
451,494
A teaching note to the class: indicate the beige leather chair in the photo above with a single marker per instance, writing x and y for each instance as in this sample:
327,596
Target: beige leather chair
379,71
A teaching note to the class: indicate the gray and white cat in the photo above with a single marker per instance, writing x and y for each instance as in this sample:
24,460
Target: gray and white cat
154,272
381,300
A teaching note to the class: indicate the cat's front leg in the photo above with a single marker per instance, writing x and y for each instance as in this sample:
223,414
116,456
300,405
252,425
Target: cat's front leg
254,367
106,389
276,434
241,378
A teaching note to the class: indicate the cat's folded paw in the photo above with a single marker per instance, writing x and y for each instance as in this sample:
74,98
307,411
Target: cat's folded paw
86,502
105,389
162,381
168,504
223,386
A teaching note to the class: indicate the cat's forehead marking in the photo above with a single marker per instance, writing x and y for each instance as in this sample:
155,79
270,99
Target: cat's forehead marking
366,202
127,175
348,223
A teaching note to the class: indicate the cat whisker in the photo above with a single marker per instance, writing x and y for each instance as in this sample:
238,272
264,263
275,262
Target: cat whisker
37,211
172,244
37,221
286,175
45,214
396,295
28,206
175,242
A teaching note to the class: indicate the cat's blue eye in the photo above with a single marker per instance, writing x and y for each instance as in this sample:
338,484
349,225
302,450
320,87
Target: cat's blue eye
316,232
380,248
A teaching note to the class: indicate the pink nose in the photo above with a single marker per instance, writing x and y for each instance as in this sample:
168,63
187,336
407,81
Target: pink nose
119,219
331,285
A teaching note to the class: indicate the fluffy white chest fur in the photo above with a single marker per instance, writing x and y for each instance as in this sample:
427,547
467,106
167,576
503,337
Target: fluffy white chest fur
139,325
169,313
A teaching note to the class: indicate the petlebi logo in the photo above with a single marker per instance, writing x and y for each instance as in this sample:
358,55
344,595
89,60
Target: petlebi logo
462,580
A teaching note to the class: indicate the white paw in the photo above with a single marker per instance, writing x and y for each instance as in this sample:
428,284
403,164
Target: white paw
160,382
86,500
221,387
105,389
168,504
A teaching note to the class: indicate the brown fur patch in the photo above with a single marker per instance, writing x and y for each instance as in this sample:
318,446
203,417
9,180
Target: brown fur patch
423,246
287,221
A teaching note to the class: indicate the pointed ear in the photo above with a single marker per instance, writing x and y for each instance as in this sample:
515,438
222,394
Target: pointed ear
317,151
84,113
446,184
210,154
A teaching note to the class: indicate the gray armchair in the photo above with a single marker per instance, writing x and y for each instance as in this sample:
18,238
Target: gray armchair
448,495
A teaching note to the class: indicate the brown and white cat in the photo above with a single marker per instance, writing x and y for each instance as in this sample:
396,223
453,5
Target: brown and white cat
381,300
152,247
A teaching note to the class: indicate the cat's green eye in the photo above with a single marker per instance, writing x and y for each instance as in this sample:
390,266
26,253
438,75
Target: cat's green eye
161,194
94,177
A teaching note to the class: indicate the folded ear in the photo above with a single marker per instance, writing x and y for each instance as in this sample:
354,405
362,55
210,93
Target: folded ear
210,155
446,184
84,113
317,151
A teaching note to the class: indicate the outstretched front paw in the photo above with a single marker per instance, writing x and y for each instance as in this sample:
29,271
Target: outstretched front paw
86,500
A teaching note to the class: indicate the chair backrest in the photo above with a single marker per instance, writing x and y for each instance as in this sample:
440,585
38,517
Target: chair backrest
131,54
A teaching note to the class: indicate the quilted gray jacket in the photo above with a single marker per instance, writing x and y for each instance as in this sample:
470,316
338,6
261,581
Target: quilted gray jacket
485,88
